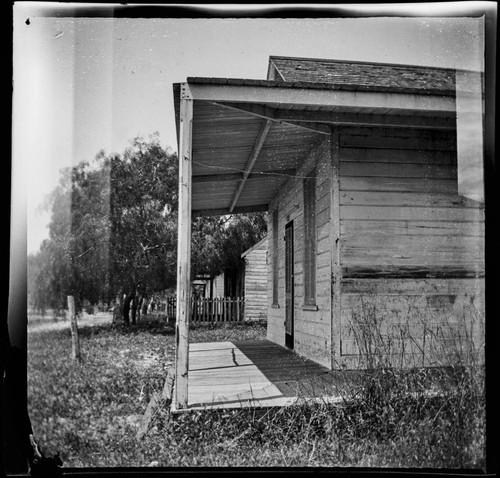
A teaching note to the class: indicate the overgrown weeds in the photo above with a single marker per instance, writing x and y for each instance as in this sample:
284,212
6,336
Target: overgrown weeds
416,417
430,384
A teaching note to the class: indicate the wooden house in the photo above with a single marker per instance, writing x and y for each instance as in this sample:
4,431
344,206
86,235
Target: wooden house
255,281
372,175
229,283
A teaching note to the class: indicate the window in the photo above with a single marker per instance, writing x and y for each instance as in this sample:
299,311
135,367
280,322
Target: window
309,190
275,257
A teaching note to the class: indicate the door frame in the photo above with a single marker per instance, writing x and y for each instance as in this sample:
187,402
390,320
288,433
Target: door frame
289,285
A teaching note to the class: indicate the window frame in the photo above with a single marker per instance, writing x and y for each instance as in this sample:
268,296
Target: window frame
309,184
275,259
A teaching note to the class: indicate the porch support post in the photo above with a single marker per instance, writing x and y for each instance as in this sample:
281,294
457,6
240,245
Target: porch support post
183,251
335,248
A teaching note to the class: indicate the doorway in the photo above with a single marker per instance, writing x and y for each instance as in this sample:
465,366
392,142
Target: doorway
289,285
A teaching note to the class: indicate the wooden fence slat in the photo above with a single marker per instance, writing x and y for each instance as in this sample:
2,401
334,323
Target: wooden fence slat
203,310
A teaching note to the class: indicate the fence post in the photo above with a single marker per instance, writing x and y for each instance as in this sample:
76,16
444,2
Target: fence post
215,310
75,343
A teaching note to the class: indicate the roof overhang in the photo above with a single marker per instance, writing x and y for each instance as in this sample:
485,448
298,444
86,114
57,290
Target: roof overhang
314,94
251,136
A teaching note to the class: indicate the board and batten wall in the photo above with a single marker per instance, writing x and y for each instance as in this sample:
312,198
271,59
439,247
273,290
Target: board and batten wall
256,281
312,328
218,285
412,250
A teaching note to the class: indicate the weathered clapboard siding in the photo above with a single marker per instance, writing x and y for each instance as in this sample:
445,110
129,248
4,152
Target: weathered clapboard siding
411,322
405,199
256,281
388,155
397,184
372,138
413,228
412,252
385,222
395,170
311,327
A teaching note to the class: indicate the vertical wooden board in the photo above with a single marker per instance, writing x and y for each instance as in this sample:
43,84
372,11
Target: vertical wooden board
183,254
256,283
335,254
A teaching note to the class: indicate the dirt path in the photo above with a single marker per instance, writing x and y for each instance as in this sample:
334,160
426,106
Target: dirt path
39,324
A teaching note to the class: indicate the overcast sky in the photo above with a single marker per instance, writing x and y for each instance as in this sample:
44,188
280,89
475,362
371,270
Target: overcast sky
86,84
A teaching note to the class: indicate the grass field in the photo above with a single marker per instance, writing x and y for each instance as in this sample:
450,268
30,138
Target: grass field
89,411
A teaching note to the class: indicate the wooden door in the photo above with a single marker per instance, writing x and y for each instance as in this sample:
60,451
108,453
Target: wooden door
289,286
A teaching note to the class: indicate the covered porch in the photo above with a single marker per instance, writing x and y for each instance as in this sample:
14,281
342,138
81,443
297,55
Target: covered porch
240,141
255,374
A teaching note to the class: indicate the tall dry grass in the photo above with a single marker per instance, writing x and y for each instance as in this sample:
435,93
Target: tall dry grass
430,386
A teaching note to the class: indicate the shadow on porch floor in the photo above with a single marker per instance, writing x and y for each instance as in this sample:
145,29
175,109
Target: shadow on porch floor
254,374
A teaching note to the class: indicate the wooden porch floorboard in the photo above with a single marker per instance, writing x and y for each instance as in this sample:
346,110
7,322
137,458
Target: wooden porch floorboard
256,373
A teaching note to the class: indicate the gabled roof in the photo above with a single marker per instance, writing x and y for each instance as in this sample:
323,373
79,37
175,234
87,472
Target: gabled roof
256,246
250,136
363,75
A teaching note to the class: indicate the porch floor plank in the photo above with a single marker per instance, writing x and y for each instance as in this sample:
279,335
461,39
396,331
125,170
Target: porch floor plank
255,373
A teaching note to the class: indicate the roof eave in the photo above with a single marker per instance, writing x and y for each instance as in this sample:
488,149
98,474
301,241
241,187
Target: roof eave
317,86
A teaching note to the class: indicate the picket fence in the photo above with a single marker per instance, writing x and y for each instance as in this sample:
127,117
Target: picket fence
220,309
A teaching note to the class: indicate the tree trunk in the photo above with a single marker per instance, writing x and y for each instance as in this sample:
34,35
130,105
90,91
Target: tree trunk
150,306
144,302
126,307
118,308
133,308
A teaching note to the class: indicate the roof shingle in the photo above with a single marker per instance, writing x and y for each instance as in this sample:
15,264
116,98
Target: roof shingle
361,75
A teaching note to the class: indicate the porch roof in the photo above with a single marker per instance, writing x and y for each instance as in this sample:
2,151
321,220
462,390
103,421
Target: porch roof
250,136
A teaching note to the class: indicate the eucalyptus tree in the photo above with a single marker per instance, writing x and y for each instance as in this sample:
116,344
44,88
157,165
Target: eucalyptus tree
113,233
